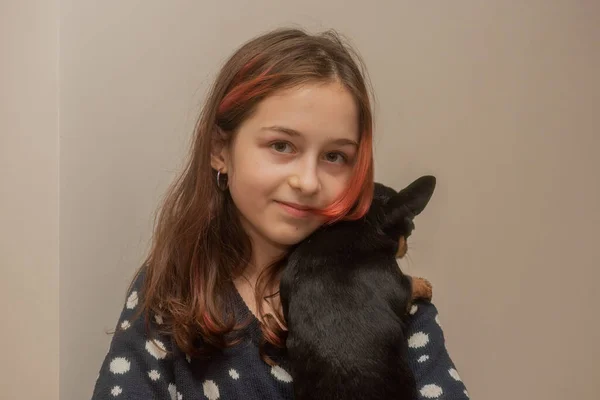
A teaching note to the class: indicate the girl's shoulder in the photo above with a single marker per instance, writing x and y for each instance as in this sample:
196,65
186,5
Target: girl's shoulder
138,356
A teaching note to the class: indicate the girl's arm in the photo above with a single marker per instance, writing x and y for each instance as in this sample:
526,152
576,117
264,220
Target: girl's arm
435,373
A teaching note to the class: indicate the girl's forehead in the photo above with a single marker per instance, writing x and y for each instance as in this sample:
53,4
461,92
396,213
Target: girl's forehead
319,109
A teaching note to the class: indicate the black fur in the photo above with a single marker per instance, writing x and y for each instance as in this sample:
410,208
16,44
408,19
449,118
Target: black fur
344,299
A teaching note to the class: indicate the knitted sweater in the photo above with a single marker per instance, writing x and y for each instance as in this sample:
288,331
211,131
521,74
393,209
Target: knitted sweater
138,368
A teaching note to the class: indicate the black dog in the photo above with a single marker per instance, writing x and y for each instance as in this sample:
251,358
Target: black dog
344,299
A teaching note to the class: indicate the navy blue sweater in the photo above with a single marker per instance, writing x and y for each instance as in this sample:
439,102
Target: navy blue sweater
137,367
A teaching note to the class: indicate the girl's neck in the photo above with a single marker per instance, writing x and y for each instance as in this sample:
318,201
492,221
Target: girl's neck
246,284
264,252
261,259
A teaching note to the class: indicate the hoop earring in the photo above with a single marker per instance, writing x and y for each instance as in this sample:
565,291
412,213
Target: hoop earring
219,182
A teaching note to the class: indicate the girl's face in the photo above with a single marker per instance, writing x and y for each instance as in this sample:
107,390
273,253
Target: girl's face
295,152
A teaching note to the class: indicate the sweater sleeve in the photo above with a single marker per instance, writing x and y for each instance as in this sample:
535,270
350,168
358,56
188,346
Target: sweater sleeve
435,373
138,365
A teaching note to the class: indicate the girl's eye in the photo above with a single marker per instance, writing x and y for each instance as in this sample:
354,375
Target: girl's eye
336,157
282,147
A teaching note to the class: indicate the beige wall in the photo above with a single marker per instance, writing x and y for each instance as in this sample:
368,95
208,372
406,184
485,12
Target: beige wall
29,199
500,102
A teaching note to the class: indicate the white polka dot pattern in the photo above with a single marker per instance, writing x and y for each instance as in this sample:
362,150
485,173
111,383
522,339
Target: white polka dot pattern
281,374
156,348
115,391
423,358
211,390
418,340
119,365
173,393
132,300
431,391
454,374
154,375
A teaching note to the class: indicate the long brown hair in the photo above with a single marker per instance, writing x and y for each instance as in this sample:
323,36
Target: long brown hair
199,245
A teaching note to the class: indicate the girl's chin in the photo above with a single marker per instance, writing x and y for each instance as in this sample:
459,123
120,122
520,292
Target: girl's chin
290,237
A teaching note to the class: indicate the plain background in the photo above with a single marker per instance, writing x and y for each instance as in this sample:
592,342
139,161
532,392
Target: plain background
500,100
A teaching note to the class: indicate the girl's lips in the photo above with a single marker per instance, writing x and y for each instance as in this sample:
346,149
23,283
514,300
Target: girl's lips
295,210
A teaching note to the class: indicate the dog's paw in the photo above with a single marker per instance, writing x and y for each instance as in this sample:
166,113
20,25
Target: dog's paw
422,289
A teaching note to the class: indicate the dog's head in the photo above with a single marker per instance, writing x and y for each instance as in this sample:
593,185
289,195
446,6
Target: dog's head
398,209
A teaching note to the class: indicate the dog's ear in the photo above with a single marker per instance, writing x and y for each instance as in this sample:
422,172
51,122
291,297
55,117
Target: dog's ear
415,196
403,207
383,193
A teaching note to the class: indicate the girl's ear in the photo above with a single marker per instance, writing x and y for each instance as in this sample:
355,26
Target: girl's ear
219,151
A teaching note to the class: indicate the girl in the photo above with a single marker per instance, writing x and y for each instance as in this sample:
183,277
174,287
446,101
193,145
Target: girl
282,146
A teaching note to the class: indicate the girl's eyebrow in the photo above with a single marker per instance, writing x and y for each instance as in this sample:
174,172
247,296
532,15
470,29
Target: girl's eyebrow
282,129
294,133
